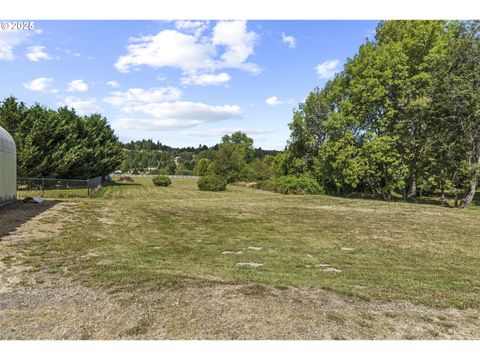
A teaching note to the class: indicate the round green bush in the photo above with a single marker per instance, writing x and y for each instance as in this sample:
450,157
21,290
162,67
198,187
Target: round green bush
162,180
212,183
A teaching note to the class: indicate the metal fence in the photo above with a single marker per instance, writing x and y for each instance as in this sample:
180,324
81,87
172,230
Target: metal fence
94,184
59,188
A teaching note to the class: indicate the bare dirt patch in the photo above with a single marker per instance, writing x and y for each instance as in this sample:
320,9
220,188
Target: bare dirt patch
20,223
32,220
64,310
232,252
251,264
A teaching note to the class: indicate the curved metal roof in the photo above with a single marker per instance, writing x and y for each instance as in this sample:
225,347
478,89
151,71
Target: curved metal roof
7,145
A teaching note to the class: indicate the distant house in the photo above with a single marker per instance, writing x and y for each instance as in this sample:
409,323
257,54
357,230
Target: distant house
152,168
8,168
118,172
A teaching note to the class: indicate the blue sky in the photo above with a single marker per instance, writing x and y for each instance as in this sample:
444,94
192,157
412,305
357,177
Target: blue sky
180,82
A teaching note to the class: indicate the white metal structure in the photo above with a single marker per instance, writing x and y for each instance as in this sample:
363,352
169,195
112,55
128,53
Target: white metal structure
8,168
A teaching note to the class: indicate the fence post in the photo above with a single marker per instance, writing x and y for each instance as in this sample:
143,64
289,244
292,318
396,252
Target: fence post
43,187
88,187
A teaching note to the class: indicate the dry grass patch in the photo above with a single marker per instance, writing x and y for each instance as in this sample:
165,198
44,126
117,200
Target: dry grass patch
374,250
152,261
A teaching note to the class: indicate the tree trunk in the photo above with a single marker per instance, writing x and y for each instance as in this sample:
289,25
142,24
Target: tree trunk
412,187
455,188
474,160
470,194
385,194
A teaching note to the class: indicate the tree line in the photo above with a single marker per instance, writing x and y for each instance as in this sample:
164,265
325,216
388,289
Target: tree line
146,155
149,145
60,143
402,117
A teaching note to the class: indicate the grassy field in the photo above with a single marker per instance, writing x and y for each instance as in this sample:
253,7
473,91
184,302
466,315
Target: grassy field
138,236
54,193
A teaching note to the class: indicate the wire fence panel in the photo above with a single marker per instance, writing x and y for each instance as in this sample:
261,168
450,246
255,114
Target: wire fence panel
72,188
94,185
58,188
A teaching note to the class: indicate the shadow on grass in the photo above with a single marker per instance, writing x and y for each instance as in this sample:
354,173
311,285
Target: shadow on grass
12,216
104,188
419,200
123,184
449,200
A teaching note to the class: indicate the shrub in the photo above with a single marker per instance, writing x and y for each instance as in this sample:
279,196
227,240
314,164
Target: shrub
160,171
291,184
212,183
202,167
161,180
229,162
125,179
257,170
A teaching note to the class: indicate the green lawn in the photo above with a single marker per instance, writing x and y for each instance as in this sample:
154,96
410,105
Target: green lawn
139,236
53,193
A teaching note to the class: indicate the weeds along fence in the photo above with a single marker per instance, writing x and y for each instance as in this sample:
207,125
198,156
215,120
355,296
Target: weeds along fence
58,188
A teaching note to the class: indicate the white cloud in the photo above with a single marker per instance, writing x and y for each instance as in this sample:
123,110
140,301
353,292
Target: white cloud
274,101
228,46
9,40
187,110
77,86
73,53
193,27
113,84
36,53
178,114
239,43
77,54
289,40
205,79
165,110
167,48
39,84
327,69
137,96
81,106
